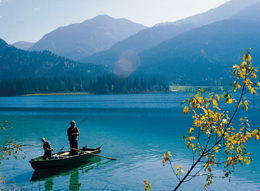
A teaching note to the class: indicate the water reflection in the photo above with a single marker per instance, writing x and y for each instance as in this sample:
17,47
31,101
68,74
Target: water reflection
48,175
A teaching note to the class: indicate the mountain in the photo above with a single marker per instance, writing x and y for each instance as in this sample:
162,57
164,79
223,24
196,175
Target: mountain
23,45
204,54
94,35
250,13
224,11
144,39
116,56
17,64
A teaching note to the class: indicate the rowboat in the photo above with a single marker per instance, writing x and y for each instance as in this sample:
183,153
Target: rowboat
64,158
49,174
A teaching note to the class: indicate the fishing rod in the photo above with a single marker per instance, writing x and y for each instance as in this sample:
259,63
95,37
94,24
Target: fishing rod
254,111
85,119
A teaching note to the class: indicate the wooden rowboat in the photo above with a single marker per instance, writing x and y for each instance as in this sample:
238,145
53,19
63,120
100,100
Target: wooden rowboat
64,158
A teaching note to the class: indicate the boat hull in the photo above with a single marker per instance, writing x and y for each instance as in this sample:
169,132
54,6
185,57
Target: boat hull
37,163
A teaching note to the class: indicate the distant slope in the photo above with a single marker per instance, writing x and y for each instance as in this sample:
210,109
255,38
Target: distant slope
123,57
202,54
251,13
16,63
144,39
80,40
222,12
23,45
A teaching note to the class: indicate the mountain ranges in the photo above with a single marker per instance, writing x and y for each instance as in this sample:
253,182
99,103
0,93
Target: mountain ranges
195,50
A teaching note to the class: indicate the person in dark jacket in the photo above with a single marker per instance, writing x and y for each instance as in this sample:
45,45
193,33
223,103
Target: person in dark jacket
73,133
47,149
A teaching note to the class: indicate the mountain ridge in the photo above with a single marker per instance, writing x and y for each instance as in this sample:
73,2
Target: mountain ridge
79,40
21,64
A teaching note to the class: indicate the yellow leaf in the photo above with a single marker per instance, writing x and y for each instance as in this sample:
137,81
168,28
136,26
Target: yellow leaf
177,174
248,58
236,66
254,132
176,167
191,130
209,169
200,100
186,110
169,153
247,161
230,100
239,150
226,151
243,65
180,165
253,91
253,75
215,103
228,163
211,162
182,171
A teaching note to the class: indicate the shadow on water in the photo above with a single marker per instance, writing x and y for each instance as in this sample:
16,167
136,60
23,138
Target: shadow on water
48,175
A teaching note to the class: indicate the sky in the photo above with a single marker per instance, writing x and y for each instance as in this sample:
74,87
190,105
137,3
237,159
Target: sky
30,20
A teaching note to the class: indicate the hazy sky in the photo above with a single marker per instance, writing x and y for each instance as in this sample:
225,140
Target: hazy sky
29,20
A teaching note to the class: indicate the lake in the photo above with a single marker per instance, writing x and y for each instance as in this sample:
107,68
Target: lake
137,129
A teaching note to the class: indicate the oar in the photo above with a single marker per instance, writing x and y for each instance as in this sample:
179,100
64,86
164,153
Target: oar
94,154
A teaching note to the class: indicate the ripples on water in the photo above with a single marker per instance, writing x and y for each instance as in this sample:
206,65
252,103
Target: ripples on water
135,129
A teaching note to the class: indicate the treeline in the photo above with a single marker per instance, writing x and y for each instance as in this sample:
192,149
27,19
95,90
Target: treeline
106,84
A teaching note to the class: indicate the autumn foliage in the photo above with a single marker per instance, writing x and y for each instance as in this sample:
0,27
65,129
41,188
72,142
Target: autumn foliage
212,136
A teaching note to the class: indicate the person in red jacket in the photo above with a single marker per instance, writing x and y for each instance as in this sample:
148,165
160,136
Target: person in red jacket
73,133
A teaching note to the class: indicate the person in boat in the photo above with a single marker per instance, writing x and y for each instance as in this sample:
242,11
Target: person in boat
73,133
47,149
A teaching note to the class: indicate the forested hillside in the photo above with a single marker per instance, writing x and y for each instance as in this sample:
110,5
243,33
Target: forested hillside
202,55
106,84
17,64
23,72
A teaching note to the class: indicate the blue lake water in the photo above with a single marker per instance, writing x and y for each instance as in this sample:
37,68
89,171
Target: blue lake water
136,129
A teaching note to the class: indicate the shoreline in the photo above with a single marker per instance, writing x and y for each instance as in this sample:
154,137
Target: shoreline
58,94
